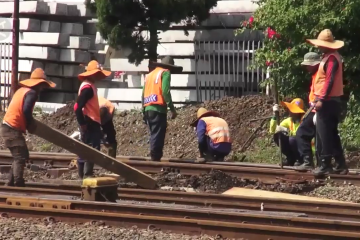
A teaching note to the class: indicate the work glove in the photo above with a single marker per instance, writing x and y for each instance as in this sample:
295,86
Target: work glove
275,108
314,119
173,114
281,129
75,135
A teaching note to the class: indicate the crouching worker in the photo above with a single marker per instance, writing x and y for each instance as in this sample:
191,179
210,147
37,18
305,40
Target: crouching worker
18,119
286,132
107,110
213,136
87,112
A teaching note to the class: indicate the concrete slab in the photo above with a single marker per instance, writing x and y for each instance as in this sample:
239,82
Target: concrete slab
225,7
33,52
25,66
58,8
26,24
39,38
79,42
48,107
50,26
90,28
26,7
63,70
93,45
75,29
100,57
72,55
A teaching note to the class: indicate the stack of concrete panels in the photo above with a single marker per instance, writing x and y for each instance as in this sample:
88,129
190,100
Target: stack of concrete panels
54,36
210,56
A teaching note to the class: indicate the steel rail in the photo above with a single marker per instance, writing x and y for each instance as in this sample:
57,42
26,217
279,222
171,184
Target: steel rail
318,209
181,219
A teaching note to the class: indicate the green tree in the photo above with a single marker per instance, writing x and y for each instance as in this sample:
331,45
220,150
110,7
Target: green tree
123,22
297,20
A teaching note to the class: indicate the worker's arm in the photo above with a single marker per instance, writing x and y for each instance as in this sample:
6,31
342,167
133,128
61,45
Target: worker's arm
284,123
201,132
166,79
85,95
105,115
28,106
330,68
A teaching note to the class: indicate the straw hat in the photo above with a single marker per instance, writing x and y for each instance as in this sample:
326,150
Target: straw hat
311,59
168,63
93,68
203,112
326,39
295,106
37,76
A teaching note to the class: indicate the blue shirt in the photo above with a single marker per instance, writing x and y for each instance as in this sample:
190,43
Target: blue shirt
223,147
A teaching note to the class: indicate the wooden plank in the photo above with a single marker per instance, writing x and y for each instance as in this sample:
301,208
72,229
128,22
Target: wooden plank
172,36
85,152
134,94
235,191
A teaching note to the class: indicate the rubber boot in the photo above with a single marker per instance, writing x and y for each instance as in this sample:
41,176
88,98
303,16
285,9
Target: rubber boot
18,172
298,163
112,150
307,165
325,167
340,165
88,169
10,182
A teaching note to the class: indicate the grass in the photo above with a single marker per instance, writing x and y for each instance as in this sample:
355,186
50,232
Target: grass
46,147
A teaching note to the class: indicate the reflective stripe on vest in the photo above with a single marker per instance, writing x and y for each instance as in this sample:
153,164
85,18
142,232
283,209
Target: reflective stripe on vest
14,116
91,108
103,102
153,88
217,129
338,86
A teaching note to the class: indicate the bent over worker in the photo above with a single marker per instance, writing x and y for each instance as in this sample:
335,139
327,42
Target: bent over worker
18,119
213,135
87,112
156,99
287,129
328,90
306,131
107,110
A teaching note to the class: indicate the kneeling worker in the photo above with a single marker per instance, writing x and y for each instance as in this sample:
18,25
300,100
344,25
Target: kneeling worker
213,135
286,132
18,119
107,110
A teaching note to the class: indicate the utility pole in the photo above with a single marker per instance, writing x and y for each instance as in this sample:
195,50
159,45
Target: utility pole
15,48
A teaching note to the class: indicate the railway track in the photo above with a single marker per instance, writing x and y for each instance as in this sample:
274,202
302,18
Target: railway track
247,171
226,222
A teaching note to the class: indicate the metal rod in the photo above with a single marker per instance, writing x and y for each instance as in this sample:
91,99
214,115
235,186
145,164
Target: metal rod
15,48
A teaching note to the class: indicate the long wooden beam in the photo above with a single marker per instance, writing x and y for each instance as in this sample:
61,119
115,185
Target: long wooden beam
85,152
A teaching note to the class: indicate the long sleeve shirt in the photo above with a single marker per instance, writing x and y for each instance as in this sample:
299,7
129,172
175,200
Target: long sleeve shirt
85,95
330,68
28,105
224,147
166,79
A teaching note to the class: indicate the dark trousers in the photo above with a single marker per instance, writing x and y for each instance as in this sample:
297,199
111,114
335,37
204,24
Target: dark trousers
288,147
109,129
157,123
91,137
327,121
15,142
304,135
208,152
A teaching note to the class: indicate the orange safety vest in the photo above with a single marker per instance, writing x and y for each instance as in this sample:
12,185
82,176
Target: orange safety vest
217,129
14,115
91,108
338,87
312,96
153,88
103,102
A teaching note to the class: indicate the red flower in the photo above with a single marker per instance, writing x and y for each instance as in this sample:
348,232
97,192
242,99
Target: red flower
244,23
251,20
268,63
117,74
272,33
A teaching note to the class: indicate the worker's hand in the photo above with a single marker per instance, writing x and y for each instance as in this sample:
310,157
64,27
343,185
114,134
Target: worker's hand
32,127
275,108
318,105
281,129
173,114
314,119
83,128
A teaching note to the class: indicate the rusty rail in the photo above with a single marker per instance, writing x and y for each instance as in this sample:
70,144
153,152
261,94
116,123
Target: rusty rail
318,209
224,222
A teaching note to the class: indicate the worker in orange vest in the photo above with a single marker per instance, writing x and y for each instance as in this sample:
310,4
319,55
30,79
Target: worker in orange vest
18,119
156,99
307,131
213,135
328,90
107,110
87,112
